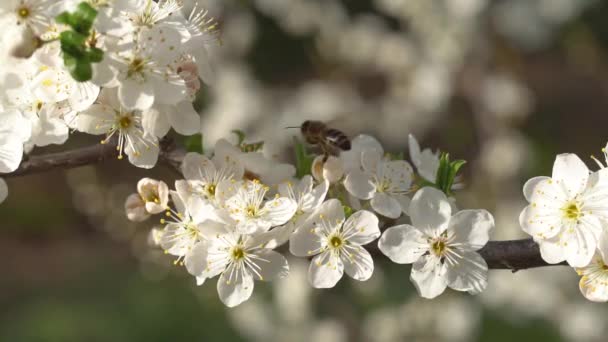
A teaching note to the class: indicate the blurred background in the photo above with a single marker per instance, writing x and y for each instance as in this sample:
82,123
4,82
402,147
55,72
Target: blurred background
504,84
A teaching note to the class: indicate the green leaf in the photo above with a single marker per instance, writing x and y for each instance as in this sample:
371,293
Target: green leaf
240,134
95,55
455,166
252,147
81,71
83,18
194,143
348,211
303,159
447,172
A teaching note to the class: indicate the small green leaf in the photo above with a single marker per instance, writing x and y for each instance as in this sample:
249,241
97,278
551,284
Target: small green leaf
240,134
95,55
83,18
81,71
348,211
252,147
303,159
194,143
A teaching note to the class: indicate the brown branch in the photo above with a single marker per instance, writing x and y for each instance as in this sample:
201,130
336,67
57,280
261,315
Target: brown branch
65,160
513,255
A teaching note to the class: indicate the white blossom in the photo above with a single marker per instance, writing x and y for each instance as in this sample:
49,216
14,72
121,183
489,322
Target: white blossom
442,248
238,260
385,182
336,244
567,211
246,203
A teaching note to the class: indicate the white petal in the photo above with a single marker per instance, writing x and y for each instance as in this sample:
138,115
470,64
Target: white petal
540,221
136,95
11,152
603,244
145,155
155,122
571,172
171,89
359,265
196,166
429,276
403,244
234,291
95,120
469,274
594,288
430,211
370,160
272,265
184,119
361,227
530,186
386,205
359,185
414,148
136,208
325,270
304,242
471,227
279,210
3,190
352,159
552,250
196,259
582,241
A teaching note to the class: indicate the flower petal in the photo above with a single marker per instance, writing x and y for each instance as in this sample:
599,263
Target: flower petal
279,210
469,274
196,166
359,185
359,265
571,172
234,287
429,276
361,228
136,95
196,259
582,241
325,270
304,242
136,208
272,265
472,227
430,211
403,244
386,205
183,118
531,184
3,190
552,250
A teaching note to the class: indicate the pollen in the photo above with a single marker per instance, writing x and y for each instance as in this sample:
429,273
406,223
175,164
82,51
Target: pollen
238,253
125,122
336,242
23,12
438,247
572,211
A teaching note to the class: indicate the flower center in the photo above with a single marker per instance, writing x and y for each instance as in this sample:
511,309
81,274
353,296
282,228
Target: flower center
23,12
125,121
438,247
383,186
136,67
336,242
211,189
238,253
251,211
572,211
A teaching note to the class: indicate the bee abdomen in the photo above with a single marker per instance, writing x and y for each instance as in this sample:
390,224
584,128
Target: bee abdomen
338,139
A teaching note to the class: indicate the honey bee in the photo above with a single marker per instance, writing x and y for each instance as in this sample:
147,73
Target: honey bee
330,140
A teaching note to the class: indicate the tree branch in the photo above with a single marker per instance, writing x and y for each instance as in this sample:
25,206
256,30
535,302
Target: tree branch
513,255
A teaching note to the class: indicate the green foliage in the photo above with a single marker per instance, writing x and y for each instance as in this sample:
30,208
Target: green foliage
247,147
303,159
194,143
447,172
347,211
78,52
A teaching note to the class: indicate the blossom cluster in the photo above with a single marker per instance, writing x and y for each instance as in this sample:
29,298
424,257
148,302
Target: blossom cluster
232,212
567,217
154,59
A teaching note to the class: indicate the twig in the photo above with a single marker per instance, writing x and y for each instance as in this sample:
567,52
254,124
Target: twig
513,255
